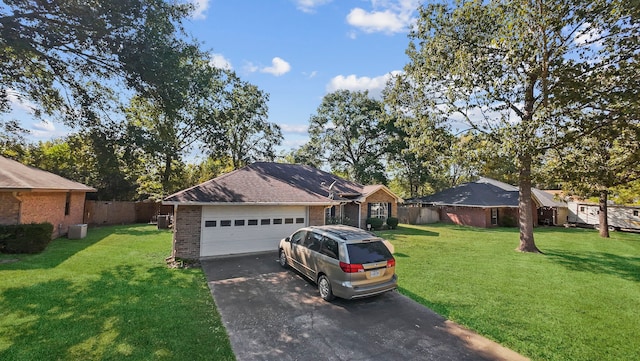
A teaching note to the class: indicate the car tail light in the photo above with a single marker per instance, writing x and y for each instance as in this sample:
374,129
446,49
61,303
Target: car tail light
351,268
391,263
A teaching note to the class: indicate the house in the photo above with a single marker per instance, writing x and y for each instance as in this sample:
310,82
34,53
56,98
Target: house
252,208
619,217
31,195
488,203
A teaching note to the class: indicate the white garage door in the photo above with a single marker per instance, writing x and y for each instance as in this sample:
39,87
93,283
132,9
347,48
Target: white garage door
243,229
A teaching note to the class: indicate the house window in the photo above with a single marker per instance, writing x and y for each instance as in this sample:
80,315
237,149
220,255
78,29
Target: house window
210,223
635,213
252,222
67,204
379,210
494,216
581,209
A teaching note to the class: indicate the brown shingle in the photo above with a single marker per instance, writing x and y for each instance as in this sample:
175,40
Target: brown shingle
15,176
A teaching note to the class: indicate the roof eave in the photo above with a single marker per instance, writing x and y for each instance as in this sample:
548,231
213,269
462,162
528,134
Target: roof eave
197,203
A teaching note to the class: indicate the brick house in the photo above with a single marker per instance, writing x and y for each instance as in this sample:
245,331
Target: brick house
31,195
252,208
488,203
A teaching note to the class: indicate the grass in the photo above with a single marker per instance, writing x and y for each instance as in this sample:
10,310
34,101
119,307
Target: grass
578,301
109,296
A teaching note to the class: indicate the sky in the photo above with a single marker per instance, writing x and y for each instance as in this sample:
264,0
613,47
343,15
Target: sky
297,51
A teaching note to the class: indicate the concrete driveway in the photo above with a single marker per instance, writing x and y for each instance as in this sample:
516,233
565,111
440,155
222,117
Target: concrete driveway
275,314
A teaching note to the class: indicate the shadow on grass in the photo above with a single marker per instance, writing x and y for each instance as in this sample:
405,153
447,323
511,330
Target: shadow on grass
125,312
597,262
61,249
406,230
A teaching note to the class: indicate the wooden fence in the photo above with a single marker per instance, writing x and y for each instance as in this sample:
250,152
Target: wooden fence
102,213
418,215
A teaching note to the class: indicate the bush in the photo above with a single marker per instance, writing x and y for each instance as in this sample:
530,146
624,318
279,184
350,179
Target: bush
25,238
376,223
508,221
392,222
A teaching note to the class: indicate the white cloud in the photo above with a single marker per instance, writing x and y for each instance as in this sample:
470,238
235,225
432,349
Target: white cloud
310,75
47,130
294,128
17,102
587,34
219,61
352,82
386,16
278,67
308,6
201,7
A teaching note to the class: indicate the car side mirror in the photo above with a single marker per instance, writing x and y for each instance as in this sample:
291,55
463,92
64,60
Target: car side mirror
287,239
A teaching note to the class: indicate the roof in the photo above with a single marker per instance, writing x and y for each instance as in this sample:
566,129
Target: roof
485,192
15,176
272,183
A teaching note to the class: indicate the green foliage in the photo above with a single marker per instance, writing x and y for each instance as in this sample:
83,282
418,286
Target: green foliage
349,130
338,220
25,238
508,221
392,222
376,223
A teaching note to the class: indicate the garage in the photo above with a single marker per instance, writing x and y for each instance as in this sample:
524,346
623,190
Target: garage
233,229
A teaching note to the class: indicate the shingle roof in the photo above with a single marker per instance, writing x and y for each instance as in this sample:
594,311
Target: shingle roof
15,176
273,183
485,192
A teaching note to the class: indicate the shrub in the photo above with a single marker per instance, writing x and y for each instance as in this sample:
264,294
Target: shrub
392,222
508,221
376,223
25,238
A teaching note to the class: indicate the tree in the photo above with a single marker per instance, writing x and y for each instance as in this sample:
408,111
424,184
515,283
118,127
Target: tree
349,128
63,55
525,73
241,130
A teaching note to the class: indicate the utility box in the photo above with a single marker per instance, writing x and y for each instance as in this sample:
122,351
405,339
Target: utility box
163,221
77,231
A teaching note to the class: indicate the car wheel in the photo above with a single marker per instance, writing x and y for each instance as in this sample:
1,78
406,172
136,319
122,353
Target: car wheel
282,259
324,286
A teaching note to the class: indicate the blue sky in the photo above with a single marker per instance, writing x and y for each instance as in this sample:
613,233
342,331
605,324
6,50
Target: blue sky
295,50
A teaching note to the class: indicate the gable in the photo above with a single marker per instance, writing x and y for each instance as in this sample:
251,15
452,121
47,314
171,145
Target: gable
15,176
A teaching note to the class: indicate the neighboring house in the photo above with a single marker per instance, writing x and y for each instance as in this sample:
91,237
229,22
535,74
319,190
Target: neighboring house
252,208
487,203
618,217
31,195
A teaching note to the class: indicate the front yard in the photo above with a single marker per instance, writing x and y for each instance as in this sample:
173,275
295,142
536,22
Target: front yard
580,301
109,296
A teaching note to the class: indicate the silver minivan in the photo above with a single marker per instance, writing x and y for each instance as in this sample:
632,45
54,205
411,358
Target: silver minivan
344,261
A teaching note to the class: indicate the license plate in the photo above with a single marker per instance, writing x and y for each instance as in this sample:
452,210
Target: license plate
375,273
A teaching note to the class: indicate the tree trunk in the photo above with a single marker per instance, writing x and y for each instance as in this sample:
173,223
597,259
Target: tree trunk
525,220
604,220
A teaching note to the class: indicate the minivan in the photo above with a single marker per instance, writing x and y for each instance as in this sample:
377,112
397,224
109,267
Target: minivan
344,261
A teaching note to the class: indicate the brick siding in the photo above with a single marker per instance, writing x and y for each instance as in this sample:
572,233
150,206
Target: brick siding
186,232
316,216
9,209
378,197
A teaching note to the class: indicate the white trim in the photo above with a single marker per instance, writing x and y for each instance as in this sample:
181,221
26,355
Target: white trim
251,203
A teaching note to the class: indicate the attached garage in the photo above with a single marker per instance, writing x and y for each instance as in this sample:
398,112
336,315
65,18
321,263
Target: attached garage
248,228
252,208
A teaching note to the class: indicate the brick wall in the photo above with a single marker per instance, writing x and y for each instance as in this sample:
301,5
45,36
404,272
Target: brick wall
186,232
378,197
39,207
9,209
316,216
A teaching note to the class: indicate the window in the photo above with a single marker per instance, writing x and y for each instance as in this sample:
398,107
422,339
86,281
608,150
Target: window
67,204
379,210
288,221
265,222
252,222
239,222
329,247
210,223
225,223
301,220
581,209
635,213
298,236
312,241
494,216
277,221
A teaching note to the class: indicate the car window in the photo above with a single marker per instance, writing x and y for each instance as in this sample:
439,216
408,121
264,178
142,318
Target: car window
329,247
368,252
312,241
298,236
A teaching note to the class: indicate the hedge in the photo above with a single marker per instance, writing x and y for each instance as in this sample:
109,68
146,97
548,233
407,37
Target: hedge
392,222
25,238
376,223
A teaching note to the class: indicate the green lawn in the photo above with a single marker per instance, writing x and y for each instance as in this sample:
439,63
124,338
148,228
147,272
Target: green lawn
109,296
579,301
